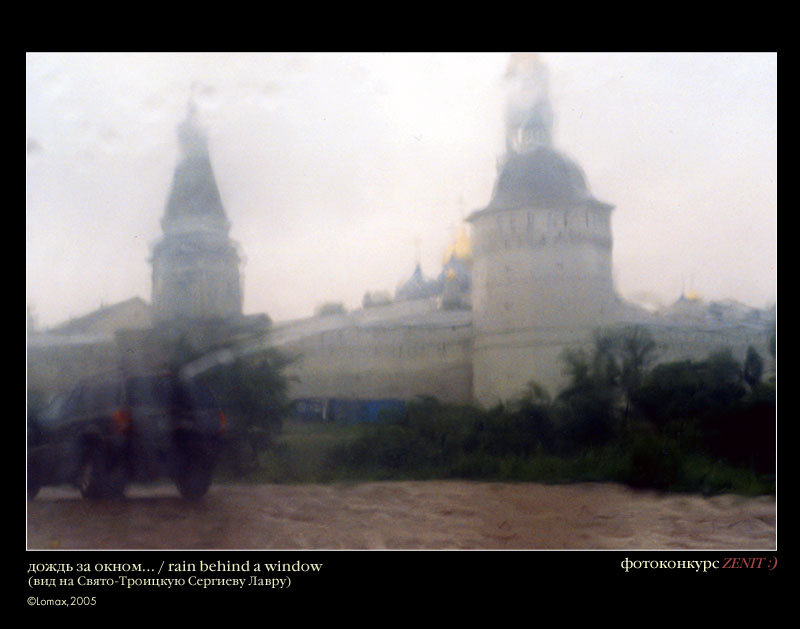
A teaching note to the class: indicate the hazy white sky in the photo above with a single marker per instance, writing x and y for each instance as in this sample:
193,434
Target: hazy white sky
335,170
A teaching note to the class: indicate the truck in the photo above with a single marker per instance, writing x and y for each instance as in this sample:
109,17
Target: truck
117,429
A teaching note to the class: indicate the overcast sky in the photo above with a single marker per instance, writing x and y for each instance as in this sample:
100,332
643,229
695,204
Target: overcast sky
338,171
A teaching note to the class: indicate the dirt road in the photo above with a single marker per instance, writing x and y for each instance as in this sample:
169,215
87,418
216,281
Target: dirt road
402,515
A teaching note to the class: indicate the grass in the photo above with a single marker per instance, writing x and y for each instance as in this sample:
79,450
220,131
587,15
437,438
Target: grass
308,452
301,454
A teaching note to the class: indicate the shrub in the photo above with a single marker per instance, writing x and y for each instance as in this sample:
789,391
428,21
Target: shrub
653,461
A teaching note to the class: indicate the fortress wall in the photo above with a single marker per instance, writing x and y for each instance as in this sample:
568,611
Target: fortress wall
675,343
510,360
379,362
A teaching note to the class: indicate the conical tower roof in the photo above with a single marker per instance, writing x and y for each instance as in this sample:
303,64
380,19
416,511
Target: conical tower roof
194,192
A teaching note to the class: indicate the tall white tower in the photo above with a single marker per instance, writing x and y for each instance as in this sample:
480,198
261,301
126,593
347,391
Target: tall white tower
541,274
195,264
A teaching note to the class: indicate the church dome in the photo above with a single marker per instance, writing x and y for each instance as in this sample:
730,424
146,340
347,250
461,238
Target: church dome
541,175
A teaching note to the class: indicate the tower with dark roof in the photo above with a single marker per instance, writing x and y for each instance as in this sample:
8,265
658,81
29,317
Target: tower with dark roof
195,264
541,271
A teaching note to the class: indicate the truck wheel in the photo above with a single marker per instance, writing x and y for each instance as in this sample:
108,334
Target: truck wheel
100,478
194,473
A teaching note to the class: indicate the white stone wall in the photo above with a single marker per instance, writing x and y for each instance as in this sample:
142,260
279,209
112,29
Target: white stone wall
696,342
397,351
504,364
374,363
541,282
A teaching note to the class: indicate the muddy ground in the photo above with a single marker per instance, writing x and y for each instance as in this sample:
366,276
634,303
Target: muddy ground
402,515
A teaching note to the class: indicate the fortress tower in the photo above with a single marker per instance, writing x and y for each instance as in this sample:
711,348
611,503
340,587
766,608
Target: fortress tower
195,264
541,274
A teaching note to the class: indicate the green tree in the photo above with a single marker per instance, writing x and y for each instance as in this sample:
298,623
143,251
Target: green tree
636,348
251,388
668,392
705,406
772,344
753,367
722,380
690,389
253,392
586,408
533,415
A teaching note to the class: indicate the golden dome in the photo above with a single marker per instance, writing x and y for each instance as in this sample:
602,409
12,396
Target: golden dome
461,249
